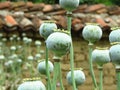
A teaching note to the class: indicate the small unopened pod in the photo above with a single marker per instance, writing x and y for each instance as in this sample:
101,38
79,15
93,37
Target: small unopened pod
46,28
92,33
42,67
69,4
32,85
114,35
59,43
100,56
78,75
115,54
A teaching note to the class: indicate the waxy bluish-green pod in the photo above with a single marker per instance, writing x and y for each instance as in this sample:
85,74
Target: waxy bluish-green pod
100,56
59,43
32,85
78,75
114,35
92,33
46,28
69,4
114,52
42,67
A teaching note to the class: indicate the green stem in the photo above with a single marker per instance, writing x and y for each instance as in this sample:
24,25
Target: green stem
60,77
31,69
47,70
2,72
69,18
56,72
91,66
29,49
118,77
101,78
24,54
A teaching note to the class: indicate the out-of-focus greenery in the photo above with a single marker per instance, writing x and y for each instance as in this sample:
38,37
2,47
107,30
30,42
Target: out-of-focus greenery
106,2
44,1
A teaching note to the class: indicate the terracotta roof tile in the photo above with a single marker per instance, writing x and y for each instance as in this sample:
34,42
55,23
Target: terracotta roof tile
37,7
102,23
10,20
29,4
4,5
18,4
93,8
27,17
114,10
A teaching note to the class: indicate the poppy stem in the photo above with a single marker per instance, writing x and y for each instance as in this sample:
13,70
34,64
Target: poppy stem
118,76
69,18
47,70
101,77
90,45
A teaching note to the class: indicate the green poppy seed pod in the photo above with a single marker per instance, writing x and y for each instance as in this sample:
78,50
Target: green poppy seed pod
114,36
100,56
69,4
59,43
78,75
92,33
32,85
114,52
47,28
42,67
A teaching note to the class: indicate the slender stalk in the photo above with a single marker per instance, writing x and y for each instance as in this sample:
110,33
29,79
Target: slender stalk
118,77
60,77
29,49
2,72
91,66
31,69
101,78
69,18
56,72
47,70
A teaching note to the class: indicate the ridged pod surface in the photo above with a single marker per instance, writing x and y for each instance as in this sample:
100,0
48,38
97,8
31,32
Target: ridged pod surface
115,54
114,36
46,28
100,56
92,33
42,67
69,4
59,43
78,75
